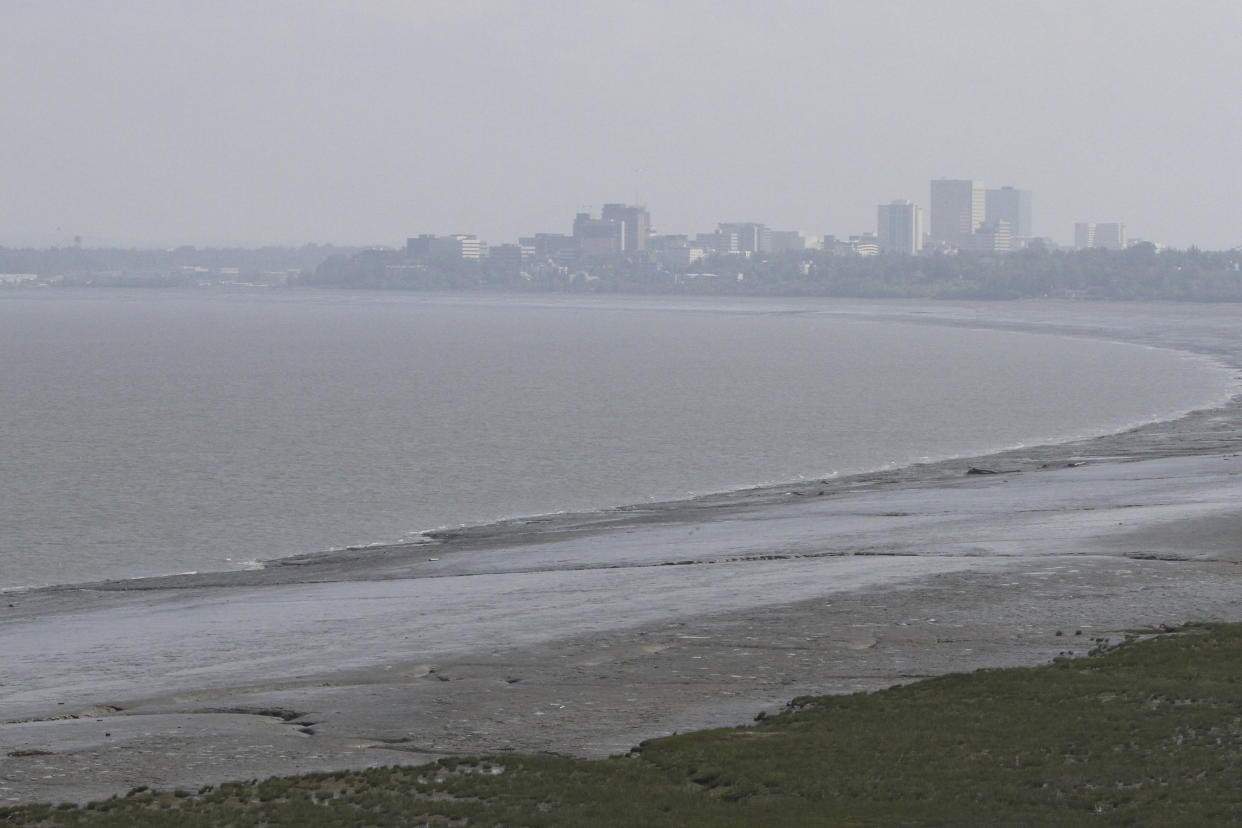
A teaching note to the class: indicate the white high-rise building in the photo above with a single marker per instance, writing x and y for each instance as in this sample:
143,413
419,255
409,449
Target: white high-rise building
958,206
899,227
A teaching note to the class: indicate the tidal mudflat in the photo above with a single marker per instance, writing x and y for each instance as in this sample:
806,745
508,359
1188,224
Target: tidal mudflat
584,635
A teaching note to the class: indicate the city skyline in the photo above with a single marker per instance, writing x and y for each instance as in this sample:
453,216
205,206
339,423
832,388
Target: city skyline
140,123
963,215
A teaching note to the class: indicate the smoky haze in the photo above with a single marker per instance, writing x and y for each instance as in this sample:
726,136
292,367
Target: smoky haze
152,123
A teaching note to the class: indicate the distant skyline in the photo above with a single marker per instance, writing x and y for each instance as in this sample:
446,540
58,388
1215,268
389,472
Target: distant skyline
293,121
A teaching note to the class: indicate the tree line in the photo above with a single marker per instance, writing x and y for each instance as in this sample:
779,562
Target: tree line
1136,273
1140,272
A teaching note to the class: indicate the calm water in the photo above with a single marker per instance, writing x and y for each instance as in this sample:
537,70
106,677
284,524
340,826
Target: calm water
152,432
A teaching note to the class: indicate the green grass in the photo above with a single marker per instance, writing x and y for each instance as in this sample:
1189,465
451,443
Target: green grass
1148,733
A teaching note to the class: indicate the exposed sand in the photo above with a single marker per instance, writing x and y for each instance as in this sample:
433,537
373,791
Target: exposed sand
586,634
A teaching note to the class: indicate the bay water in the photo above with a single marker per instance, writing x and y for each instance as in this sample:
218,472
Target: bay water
153,432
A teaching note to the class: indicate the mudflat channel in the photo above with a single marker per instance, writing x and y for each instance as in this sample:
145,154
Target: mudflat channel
585,634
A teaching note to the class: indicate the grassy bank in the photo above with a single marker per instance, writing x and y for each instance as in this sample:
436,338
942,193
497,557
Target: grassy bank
1149,732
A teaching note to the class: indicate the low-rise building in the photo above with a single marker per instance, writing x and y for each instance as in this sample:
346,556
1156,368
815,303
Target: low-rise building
511,256
783,241
992,237
865,245
456,246
551,245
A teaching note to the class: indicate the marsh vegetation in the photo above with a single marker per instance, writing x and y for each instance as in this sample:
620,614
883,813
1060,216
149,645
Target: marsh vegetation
1145,731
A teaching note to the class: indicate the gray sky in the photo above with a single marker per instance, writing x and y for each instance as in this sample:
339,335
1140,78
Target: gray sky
186,122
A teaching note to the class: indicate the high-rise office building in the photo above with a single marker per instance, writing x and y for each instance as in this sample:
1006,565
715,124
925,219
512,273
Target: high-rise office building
598,237
957,207
1012,206
635,223
899,227
718,242
1111,235
1084,235
752,237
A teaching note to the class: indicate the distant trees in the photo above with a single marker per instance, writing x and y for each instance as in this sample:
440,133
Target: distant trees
1138,272
109,266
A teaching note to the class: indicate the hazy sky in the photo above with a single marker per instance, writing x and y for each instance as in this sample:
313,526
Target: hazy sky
185,122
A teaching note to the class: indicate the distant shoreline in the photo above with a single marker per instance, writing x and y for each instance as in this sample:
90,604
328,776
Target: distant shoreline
1139,272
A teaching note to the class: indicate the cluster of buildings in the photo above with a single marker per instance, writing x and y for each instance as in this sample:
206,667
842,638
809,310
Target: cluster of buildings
619,230
962,215
965,215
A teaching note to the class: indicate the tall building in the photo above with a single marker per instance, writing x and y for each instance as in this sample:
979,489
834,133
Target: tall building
1111,236
1012,206
718,242
751,236
1084,235
899,227
958,206
635,225
598,237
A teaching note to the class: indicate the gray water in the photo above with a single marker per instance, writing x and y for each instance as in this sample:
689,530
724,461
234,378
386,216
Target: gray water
155,432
